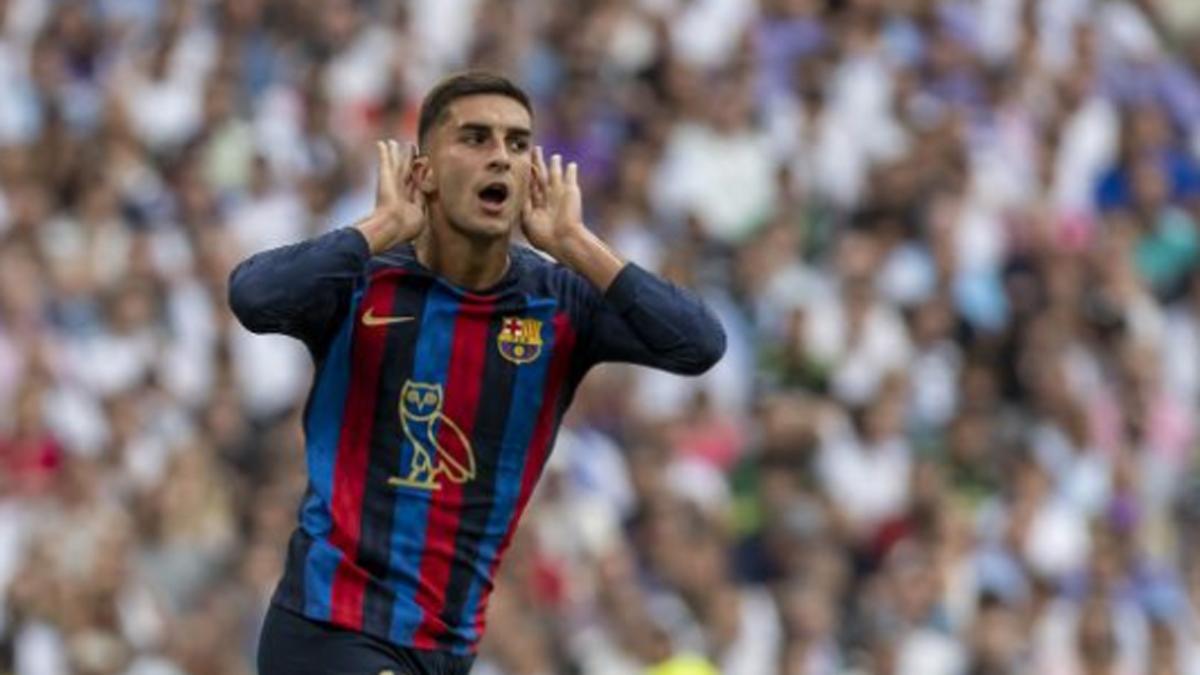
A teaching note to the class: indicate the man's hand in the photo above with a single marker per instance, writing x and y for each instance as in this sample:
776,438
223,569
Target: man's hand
399,214
554,209
552,220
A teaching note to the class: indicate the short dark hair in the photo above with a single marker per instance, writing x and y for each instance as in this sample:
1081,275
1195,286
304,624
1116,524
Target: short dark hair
454,87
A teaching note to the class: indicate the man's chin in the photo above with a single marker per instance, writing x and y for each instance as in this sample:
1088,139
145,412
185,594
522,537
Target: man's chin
486,228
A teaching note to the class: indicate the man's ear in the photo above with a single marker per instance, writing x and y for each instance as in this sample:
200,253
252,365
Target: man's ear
423,174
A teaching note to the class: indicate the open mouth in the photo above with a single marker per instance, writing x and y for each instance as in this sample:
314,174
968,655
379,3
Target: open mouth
494,194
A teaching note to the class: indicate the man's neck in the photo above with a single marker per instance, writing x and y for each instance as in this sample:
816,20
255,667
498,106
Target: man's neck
468,263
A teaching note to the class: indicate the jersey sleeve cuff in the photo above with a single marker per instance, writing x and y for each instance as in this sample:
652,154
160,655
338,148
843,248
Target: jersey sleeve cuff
352,241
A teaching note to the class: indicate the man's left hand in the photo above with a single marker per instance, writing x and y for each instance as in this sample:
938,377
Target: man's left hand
553,211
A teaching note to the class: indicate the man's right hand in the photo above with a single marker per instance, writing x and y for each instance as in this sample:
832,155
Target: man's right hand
399,214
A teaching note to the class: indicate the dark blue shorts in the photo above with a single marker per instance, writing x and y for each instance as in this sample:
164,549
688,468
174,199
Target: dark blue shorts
295,645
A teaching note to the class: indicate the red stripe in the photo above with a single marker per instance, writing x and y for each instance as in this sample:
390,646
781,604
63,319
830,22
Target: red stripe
464,383
539,445
354,446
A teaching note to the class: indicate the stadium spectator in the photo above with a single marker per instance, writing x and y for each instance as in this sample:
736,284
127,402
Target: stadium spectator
955,246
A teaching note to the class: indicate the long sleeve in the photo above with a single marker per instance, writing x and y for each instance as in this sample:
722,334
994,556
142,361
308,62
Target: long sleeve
299,290
646,320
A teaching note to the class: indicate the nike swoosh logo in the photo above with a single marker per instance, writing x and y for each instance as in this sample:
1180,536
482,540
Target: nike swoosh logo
369,318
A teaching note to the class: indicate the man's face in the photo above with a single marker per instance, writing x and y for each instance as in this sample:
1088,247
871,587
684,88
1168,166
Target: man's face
478,164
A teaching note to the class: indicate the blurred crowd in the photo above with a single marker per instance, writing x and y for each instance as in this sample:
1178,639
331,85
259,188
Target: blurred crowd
954,244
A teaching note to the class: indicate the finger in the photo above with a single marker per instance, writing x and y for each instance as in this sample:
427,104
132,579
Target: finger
539,164
537,190
537,180
403,163
410,160
395,165
383,155
531,193
541,181
397,161
556,171
572,177
380,188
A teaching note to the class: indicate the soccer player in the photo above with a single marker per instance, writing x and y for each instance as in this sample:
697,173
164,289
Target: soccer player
445,357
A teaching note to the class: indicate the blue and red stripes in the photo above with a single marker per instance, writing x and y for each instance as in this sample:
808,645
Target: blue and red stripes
322,425
464,390
411,517
337,436
350,469
525,449
435,551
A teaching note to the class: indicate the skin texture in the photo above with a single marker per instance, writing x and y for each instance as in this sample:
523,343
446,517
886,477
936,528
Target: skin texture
481,140
433,200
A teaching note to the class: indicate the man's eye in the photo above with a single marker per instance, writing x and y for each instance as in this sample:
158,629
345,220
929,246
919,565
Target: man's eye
519,145
475,139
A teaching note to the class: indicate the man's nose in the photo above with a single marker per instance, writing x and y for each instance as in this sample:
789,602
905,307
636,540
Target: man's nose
500,159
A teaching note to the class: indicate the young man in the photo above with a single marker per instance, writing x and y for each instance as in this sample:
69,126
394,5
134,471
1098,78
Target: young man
445,358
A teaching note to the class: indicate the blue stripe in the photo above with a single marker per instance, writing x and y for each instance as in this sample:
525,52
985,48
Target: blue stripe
322,428
528,390
431,361
319,569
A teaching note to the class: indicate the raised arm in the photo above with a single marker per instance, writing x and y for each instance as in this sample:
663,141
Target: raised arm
299,290
630,314
303,289
647,320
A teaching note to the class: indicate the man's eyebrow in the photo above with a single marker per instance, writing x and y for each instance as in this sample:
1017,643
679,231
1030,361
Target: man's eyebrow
487,128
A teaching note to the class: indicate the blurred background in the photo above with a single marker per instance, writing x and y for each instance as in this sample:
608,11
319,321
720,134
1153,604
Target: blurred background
954,244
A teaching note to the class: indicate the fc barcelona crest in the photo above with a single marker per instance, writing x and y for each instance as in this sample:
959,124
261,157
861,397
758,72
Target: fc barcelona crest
520,340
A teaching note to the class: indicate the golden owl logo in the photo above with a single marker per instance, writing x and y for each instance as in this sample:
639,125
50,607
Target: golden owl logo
432,461
520,340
